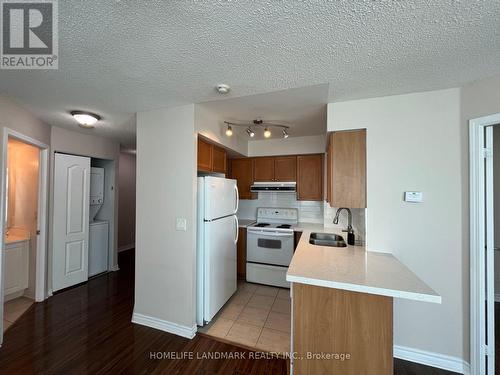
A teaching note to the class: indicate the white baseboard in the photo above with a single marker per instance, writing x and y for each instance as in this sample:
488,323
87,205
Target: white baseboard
126,247
164,325
437,360
114,268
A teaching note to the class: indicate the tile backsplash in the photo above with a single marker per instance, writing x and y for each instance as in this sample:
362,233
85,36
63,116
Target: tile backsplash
309,211
358,221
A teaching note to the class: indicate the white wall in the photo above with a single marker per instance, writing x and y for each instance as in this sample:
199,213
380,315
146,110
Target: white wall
209,125
126,207
414,143
315,144
18,118
165,281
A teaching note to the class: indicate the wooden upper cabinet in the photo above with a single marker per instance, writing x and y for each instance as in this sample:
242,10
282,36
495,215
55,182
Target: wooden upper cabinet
348,169
310,177
263,169
211,158
285,168
219,160
329,153
242,172
205,150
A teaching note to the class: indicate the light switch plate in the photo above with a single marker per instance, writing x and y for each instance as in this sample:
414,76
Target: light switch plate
181,224
414,196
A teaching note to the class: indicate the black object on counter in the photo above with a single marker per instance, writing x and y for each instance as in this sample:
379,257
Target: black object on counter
351,238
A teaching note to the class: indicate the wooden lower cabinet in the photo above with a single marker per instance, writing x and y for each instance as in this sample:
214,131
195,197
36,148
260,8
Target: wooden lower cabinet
241,254
296,238
337,322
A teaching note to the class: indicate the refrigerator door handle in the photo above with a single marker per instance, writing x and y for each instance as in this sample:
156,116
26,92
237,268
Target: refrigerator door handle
237,198
237,229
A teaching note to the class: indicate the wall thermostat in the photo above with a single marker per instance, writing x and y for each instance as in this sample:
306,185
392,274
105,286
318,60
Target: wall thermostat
414,196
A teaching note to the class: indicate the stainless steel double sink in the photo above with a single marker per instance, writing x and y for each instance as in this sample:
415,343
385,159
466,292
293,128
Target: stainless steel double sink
327,239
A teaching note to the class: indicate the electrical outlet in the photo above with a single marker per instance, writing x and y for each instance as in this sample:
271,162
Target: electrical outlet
181,224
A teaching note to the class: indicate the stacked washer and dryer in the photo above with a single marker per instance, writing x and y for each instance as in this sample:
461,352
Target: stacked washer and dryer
98,229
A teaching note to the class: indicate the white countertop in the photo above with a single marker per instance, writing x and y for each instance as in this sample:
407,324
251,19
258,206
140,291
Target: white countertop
313,227
355,269
243,223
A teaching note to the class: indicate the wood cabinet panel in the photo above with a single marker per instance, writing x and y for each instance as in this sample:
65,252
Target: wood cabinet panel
242,172
204,156
285,168
219,160
329,156
310,177
337,321
241,254
348,168
263,169
296,238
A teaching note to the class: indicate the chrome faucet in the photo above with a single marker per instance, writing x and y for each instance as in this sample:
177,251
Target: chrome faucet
349,219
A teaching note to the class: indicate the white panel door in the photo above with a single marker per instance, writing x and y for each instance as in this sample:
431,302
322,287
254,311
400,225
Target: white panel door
71,220
221,197
220,264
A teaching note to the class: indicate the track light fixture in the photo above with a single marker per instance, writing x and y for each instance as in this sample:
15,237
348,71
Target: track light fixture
257,124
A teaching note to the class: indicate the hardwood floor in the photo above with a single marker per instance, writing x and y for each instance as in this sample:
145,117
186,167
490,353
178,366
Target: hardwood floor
87,330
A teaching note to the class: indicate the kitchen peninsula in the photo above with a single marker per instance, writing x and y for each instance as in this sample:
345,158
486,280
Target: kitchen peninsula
342,303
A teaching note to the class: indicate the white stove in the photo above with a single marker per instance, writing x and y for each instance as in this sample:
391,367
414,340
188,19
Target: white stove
270,246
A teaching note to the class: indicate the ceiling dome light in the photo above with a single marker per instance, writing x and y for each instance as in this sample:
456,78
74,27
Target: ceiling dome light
285,134
86,120
267,133
229,131
250,132
222,88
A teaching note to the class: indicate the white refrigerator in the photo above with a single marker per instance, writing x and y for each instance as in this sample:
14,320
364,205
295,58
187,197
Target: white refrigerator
217,235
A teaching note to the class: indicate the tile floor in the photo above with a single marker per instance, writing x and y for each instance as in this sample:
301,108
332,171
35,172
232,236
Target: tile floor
13,310
256,316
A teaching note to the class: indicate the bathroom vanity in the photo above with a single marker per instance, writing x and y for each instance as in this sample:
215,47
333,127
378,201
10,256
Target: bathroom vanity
16,257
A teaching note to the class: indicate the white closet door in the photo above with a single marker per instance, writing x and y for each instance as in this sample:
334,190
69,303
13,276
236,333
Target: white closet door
71,220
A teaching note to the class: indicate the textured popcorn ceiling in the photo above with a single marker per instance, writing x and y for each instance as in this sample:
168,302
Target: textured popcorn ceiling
120,57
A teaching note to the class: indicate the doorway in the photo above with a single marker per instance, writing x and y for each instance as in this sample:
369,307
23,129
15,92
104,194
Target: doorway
23,231
83,233
482,240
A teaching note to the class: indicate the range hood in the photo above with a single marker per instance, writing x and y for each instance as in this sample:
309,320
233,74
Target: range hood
274,187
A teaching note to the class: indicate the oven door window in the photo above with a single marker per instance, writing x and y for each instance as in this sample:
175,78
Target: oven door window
267,243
